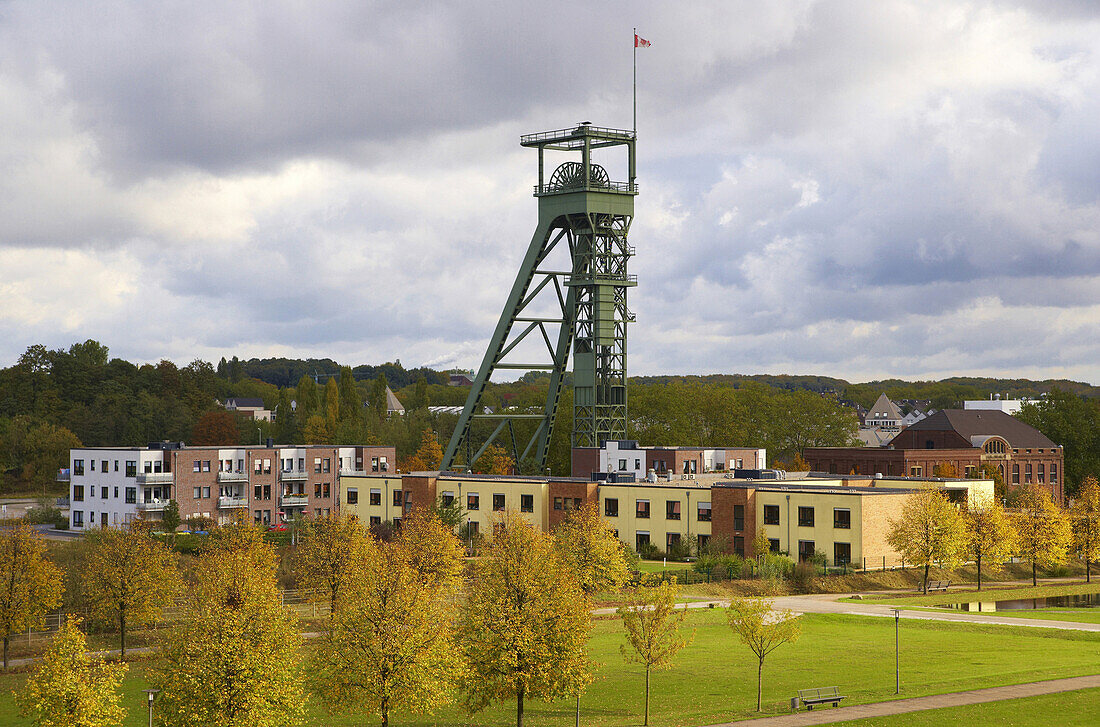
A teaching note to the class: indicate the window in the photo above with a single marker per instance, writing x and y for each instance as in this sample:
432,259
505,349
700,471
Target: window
397,498
196,466
498,502
1027,473
148,467
316,464
739,545
642,510
1015,474
916,471
576,503
929,444
326,490
842,553
637,464
78,519
258,466
104,492
301,464
256,515
78,493
806,549
611,507
206,492
558,503
353,496
526,503
384,465
317,489
473,527
622,464
701,541
672,510
970,471
376,497
738,517
375,520
641,538
773,545
267,494
1041,473
196,493
672,540
447,498
91,464
131,495
473,501
104,466
257,492
703,512
1054,473
116,492
78,466
267,466
326,465
805,517
771,514
116,465
373,464
206,465
842,518
131,468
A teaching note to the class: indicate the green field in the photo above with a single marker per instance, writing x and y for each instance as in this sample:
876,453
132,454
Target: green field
714,678
988,594
1067,709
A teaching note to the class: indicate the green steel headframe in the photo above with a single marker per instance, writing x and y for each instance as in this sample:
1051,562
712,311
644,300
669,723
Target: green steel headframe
582,208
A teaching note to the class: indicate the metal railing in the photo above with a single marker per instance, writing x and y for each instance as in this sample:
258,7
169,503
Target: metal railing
154,478
580,130
294,500
152,505
618,187
230,501
227,476
293,475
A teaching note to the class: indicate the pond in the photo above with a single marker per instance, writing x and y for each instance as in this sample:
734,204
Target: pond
1091,600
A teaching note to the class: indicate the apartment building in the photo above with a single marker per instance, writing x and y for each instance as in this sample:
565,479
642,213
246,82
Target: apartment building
627,458
109,487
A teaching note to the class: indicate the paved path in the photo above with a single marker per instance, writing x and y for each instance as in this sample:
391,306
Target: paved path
828,715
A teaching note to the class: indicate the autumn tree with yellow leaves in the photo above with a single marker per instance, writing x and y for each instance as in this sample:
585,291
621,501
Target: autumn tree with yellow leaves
233,660
1042,529
394,646
652,623
930,530
525,622
990,535
130,577
30,584
587,543
1086,523
763,629
68,688
332,558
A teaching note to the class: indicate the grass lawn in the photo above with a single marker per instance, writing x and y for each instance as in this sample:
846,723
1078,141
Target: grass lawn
1068,709
656,566
985,595
714,678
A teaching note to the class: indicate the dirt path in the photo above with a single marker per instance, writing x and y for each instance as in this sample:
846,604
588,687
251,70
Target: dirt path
827,715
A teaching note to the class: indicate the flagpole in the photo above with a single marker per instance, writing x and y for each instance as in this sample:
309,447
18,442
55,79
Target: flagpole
635,85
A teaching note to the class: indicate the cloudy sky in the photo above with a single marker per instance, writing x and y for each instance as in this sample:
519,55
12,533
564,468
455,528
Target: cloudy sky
857,189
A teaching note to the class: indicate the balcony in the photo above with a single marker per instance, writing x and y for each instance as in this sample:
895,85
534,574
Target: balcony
154,478
232,477
63,476
293,475
152,505
351,472
294,500
226,502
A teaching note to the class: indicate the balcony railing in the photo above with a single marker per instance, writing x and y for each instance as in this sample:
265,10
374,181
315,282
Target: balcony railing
226,502
294,500
293,475
152,505
63,476
154,478
227,476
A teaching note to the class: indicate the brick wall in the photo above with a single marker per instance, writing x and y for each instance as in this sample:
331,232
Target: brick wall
722,502
584,461
586,491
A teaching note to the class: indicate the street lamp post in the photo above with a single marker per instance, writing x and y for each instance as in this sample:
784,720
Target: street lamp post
897,653
151,694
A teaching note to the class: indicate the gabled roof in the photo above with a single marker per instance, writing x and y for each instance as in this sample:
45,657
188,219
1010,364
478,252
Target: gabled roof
977,423
242,402
392,402
884,409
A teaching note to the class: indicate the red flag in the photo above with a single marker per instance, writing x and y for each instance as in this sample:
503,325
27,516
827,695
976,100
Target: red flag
640,42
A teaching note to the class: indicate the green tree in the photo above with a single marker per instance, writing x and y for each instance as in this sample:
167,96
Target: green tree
495,461
394,646
652,624
1074,423
333,559
30,585
216,428
170,521
35,449
1085,515
70,689
990,534
525,622
129,578
332,404
588,544
286,418
930,530
377,398
1042,529
233,660
763,629
308,398
316,431
351,401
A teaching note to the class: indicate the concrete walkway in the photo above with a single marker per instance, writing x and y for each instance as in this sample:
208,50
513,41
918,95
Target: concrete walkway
828,715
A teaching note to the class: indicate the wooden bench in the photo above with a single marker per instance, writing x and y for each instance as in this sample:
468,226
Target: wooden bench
938,585
820,695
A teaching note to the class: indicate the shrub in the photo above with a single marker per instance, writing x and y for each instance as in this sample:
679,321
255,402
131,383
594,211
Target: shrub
679,551
46,515
649,551
776,567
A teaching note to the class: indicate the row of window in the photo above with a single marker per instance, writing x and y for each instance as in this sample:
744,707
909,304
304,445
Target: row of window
842,517
104,493
104,466
641,509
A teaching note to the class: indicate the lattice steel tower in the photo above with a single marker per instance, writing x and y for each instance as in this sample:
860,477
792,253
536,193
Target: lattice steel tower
580,303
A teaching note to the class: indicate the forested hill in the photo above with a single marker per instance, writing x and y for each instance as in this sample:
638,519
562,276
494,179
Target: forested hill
283,372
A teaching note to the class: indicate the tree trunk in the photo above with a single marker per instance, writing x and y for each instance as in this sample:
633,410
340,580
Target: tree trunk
980,572
1033,581
385,712
519,707
759,682
926,567
646,722
1088,575
6,641
122,628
